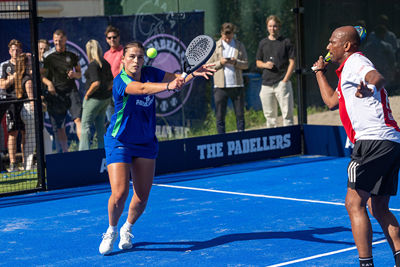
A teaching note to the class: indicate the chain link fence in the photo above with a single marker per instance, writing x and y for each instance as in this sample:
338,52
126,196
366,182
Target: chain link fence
21,146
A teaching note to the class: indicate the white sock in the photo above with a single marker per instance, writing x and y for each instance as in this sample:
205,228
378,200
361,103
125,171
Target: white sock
128,225
112,229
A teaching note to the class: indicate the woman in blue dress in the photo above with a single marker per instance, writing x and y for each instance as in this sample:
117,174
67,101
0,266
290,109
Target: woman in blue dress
131,145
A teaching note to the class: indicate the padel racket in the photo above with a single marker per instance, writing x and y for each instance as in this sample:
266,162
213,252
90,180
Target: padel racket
327,58
197,53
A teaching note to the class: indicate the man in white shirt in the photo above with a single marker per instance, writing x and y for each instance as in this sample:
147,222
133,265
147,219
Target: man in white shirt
366,116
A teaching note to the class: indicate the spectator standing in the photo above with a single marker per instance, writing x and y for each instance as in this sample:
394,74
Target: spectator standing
275,56
10,80
388,35
43,47
24,85
114,57
382,54
230,59
98,95
114,54
61,69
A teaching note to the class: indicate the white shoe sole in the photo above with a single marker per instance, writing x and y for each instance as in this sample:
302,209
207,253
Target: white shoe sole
105,253
125,246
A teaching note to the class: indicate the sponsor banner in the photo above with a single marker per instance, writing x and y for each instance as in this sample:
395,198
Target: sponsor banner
326,140
89,167
219,150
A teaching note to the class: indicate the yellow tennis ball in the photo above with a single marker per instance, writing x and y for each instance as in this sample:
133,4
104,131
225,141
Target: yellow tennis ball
151,52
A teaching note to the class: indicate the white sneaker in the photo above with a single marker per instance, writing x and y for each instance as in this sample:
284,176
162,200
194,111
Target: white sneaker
125,241
106,246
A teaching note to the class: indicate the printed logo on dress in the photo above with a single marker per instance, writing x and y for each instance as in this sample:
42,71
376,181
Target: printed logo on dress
148,100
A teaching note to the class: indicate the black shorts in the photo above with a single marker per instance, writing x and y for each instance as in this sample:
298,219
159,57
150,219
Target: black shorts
374,167
13,118
58,106
57,121
76,105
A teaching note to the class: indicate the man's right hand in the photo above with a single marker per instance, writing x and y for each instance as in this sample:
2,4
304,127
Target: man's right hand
320,64
269,65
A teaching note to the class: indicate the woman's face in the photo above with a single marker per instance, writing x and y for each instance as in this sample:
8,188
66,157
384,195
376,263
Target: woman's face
273,28
133,60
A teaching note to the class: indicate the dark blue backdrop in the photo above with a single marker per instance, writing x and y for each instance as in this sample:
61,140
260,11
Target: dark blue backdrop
174,36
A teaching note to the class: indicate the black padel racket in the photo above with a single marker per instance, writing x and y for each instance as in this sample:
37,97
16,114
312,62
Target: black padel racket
197,53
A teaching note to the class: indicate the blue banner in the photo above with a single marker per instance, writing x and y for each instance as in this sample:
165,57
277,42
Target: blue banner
326,140
90,167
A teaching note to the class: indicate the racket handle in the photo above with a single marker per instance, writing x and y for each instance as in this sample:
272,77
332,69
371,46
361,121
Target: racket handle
327,58
184,75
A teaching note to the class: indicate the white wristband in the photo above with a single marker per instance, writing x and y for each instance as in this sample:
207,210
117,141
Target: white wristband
372,87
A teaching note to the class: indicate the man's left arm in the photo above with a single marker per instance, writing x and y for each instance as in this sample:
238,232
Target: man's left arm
290,70
374,82
241,62
375,78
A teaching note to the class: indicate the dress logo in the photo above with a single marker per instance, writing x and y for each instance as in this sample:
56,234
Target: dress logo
147,101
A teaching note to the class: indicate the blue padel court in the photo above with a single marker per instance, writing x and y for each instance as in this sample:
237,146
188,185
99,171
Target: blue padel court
283,212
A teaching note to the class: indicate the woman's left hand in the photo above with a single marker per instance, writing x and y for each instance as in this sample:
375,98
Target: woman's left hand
205,71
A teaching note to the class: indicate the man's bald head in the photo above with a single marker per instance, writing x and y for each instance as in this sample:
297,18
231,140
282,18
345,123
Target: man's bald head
348,34
344,41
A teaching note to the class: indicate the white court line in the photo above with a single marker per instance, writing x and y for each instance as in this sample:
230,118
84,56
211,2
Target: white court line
255,195
321,255
284,198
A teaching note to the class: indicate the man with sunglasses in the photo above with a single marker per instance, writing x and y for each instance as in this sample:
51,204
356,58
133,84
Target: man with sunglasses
114,54
114,57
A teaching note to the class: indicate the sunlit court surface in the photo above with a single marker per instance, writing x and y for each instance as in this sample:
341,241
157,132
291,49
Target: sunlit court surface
282,212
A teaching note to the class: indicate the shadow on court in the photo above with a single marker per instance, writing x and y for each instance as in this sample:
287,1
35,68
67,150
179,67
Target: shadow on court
304,235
